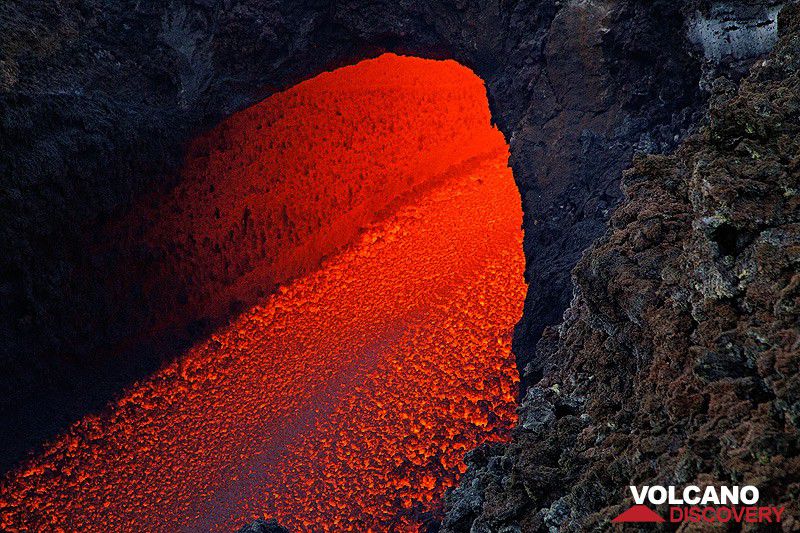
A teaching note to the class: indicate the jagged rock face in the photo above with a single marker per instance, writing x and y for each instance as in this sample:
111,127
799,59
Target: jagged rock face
263,526
98,102
678,359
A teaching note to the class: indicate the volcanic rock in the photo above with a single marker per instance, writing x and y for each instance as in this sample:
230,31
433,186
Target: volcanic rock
677,361
263,526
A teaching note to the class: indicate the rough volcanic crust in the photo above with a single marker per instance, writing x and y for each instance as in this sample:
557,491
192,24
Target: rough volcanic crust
263,526
677,361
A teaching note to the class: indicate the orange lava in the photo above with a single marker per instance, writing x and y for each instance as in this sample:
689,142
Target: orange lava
343,402
268,193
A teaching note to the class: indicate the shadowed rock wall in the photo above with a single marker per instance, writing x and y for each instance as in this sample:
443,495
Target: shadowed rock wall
677,362
99,101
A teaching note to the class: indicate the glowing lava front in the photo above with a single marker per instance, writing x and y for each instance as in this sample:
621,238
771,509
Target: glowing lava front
345,401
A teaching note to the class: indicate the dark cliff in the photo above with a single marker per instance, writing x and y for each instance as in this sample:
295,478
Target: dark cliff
677,361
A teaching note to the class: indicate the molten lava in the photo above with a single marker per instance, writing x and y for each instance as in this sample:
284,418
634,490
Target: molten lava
268,193
346,400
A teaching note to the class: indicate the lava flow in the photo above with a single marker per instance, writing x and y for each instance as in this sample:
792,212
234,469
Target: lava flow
345,401
268,193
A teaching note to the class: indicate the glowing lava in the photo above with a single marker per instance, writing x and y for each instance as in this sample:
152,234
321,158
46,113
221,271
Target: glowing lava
343,402
268,193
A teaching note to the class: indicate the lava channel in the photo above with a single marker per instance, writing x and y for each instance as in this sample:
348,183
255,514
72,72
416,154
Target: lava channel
344,401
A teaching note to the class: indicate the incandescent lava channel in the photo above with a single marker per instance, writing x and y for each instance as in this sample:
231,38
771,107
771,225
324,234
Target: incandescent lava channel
345,399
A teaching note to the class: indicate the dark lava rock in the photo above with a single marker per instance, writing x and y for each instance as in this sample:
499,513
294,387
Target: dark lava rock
263,526
677,361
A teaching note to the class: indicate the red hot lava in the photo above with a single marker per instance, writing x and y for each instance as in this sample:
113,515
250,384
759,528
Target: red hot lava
346,400
268,193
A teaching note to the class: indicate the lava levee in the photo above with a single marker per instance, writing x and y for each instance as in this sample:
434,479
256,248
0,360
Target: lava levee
344,401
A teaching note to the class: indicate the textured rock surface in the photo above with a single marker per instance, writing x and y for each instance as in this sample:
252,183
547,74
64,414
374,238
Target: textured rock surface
678,359
263,526
98,101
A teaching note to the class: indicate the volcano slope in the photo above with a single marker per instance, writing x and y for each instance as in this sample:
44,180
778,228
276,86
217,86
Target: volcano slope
678,360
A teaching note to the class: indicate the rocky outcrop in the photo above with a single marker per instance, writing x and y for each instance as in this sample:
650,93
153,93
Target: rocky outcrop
263,526
677,361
